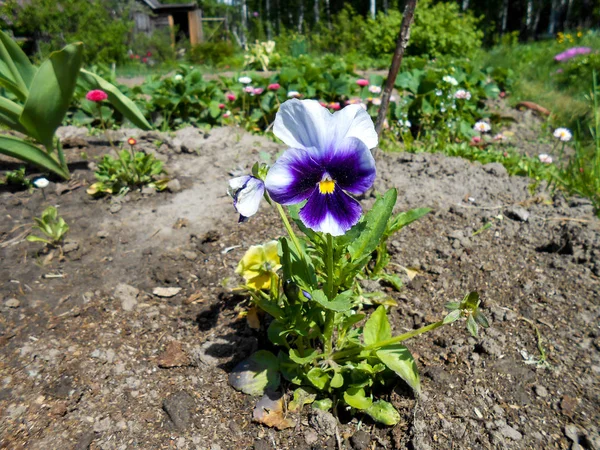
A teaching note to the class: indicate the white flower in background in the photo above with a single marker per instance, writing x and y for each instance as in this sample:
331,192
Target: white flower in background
41,183
545,158
376,101
482,127
247,192
249,90
563,134
374,89
178,77
405,123
450,80
442,110
227,114
245,80
439,92
293,94
462,94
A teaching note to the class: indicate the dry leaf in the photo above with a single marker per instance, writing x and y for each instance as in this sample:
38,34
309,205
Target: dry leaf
173,356
253,318
270,412
196,297
412,272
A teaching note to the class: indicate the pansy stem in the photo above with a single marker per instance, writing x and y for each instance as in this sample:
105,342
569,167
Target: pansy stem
329,315
290,231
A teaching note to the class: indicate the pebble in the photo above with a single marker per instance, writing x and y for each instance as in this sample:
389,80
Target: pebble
572,432
517,213
174,185
127,295
102,425
12,303
115,208
323,422
311,436
180,408
102,234
360,440
166,292
190,255
540,390
510,432
70,246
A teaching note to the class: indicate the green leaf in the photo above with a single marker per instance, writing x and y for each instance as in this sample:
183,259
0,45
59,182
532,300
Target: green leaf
337,381
27,152
453,316
452,305
275,332
256,374
50,93
309,355
341,303
289,369
324,404
472,326
383,412
34,238
392,279
398,358
377,328
481,319
318,377
406,218
116,98
471,301
376,223
9,115
302,396
16,71
356,398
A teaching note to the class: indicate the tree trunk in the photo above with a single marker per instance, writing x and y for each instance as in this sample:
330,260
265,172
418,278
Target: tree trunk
567,23
244,24
316,9
553,17
465,5
536,22
401,44
386,6
373,10
268,19
504,16
328,12
301,16
529,17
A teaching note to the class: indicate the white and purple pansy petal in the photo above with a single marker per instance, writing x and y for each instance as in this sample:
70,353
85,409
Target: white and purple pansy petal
332,212
302,124
294,176
354,121
247,192
352,166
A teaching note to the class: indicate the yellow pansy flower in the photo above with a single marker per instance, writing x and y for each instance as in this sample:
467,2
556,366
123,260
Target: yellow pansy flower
258,265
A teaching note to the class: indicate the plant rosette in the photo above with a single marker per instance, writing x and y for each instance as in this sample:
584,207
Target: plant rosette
335,354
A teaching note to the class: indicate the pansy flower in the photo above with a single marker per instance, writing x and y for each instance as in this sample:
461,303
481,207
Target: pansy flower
328,158
247,192
259,265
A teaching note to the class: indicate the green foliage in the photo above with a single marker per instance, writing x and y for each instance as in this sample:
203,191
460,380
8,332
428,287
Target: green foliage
439,29
212,53
52,226
128,171
17,178
102,25
316,309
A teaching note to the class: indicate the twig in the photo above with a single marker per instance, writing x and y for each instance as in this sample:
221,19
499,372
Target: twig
401,44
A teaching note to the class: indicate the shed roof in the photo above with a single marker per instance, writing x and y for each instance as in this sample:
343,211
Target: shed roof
157,6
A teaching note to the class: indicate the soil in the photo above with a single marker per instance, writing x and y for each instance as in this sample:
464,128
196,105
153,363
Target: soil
92,355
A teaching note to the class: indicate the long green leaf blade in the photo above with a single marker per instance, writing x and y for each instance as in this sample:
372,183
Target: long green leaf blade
16,72
24,151
399,359
376,224
377,328
116,98
9,115
51,92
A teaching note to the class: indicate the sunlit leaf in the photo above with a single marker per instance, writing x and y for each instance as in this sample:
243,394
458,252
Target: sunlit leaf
257,374
383,412
399,359
356,398
377,328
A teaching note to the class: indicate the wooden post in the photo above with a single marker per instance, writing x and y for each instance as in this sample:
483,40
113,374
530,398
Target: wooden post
172,28
401,44
195,24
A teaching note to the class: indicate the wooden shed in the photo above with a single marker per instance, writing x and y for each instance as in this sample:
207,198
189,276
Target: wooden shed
185,17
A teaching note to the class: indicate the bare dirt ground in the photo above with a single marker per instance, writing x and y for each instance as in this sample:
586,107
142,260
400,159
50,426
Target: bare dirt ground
93,356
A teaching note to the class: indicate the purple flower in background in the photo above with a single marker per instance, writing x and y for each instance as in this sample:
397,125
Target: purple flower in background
247,192
255,14
329,157
571,53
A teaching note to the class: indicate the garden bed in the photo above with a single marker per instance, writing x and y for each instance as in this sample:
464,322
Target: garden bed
93,356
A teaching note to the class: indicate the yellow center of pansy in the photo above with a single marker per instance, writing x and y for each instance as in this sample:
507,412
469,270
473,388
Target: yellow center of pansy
326,185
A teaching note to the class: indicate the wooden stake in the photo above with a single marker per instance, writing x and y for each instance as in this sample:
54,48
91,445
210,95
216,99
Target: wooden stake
401,44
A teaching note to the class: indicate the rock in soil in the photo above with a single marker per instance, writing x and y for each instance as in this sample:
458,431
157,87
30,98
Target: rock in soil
180,407
323,422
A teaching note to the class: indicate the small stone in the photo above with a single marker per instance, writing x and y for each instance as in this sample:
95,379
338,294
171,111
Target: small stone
190,255
568,405
166,292
102,425
102,234
174,185
491,347
323,422
70,246
311,436
180,407
572,432
115,208
360,440
517,213
540,390
127,295
262,444
173,356
110,356
148,190
12,303
510,432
